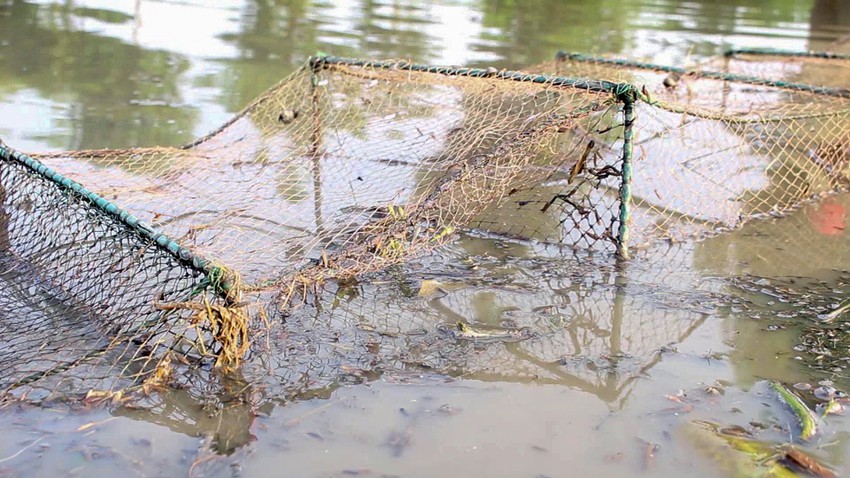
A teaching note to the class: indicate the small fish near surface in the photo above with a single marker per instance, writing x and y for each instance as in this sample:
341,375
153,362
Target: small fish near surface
463,331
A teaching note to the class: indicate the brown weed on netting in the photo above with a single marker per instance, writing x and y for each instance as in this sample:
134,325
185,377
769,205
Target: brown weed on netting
341,169
348,172
349,167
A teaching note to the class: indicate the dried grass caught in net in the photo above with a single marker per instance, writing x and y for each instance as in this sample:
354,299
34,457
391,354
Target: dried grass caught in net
348,167
345,167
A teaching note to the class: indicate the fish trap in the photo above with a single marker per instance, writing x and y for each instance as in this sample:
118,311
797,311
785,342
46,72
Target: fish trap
713,149
159,264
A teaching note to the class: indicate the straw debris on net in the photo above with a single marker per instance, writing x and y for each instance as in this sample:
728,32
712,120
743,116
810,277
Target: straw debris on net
348,167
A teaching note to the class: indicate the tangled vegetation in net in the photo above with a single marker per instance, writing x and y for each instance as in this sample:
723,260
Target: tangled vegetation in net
715,148
347,167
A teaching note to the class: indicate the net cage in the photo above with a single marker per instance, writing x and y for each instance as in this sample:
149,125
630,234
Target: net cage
170,259
343,168
93,298
715,149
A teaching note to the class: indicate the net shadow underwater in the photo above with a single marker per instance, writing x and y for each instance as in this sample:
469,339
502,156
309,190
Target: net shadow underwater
290,251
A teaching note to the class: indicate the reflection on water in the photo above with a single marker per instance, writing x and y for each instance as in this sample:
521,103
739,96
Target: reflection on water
367,385
106,74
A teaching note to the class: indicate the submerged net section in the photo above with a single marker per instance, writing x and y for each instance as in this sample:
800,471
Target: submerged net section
343,168
714,150
572,322
92,299
348,167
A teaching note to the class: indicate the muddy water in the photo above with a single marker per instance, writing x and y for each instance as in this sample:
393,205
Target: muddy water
621,359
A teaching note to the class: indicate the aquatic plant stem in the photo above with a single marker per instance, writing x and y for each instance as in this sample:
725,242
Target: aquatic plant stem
807,418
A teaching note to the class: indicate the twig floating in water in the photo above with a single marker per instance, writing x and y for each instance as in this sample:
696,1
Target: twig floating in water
15,455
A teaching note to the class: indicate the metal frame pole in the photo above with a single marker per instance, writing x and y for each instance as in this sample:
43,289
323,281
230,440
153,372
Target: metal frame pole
624,233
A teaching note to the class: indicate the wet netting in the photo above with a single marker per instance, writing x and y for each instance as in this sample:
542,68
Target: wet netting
714,149
171,258
343,168
92,298
567,322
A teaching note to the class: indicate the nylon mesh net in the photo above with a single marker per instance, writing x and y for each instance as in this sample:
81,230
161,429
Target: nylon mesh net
84,296
821,69
363,169
714,150
341,169
350,167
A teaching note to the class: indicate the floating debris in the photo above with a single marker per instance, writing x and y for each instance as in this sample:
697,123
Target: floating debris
679,397
614,457
735,431
796,458
398,441
836,313
463,331
832,407
672,80
807,418
735,456
86,426
649,451
714,390
288,116
18,453
446,409
825,392
429,286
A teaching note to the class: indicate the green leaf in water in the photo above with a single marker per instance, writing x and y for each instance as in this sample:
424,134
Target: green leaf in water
807,418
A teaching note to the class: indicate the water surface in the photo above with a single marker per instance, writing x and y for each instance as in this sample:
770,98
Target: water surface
625,356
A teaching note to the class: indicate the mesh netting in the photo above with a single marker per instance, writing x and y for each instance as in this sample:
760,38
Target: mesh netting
361,165
348,167
714,150
86,294
343,168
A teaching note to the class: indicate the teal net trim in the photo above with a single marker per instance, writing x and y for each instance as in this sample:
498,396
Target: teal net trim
81,283
591,85
349,167
713,75
825,55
